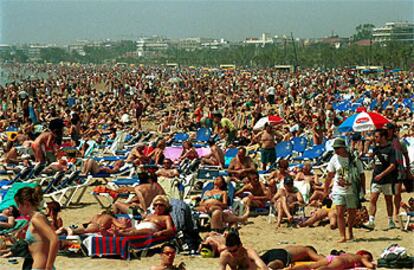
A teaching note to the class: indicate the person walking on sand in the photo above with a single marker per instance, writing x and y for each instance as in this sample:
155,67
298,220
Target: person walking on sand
342,168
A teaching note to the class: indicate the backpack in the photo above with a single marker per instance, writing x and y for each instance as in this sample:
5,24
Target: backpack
396,257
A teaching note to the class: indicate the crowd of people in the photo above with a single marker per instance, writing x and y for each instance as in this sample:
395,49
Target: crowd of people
73,104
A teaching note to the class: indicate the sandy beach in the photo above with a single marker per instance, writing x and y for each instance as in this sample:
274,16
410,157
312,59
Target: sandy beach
257,233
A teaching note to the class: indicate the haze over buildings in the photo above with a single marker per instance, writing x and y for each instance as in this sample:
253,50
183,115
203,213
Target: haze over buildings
63,22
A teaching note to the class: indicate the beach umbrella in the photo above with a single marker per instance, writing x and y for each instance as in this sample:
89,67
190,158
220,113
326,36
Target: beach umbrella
363,121
271,119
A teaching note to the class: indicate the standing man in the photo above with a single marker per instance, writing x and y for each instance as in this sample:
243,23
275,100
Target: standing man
267,143
346,172
225,128
401,153
385,170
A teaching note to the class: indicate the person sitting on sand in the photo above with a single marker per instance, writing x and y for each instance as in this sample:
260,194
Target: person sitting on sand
257,193
287,200
8,217
145,192
280,258
275,179
328,210
92,166
343,261
157,224
168,252
236,256
216,156
215,203
241,165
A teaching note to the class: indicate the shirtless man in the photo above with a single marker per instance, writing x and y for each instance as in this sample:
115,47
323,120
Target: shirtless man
286,201
282,257
99,223
145,192
241,165
166,170
236,256
168,252
267,143
257,193
137,156
216,157
214,241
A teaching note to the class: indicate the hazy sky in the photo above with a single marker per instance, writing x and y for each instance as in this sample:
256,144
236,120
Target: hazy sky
62,21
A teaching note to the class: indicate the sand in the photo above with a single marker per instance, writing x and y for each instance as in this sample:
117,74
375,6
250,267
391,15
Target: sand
258,234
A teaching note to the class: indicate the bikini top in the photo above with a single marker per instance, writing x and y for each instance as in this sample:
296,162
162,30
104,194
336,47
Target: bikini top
29,237
216,196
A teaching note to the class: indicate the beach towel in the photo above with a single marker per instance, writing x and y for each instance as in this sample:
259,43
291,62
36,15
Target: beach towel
119,245
20,223
174,152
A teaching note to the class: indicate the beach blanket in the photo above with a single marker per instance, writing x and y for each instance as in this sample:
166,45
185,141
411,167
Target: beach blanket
174,152
118,245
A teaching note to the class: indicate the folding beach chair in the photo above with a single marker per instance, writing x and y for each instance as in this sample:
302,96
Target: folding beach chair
179,138
283,150
202,136
299,144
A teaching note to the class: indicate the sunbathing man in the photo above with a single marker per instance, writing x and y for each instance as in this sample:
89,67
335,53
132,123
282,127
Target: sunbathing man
257,193
214,243
236,256
168,252
280,258
101,223
216,157
92,166
241,165
287,200
145,192
137,155
167,171
166,177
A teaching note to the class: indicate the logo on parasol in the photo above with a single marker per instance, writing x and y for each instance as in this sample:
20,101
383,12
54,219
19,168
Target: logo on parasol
362,120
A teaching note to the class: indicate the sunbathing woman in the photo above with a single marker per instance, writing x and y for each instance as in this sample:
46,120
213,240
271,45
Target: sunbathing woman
8,216
92,166
215,203
343,261
158,224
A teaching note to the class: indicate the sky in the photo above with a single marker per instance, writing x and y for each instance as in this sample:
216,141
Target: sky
63,21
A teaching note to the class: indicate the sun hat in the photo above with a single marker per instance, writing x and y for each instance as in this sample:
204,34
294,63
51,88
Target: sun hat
339,143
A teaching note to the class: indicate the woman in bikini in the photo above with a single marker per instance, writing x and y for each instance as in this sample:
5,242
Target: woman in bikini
42,240
46,141
158,224
189,151
215,203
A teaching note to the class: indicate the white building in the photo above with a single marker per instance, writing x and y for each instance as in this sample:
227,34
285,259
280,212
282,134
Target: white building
262,41
394,31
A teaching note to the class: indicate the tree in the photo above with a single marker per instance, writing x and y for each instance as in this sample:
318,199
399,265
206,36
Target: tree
363,31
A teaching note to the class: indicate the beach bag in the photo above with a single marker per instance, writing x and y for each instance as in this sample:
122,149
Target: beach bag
396,257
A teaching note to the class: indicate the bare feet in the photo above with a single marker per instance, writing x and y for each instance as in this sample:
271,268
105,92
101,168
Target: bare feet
343,240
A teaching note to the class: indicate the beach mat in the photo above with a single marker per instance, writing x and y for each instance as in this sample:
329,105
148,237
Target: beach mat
100,246
174,152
